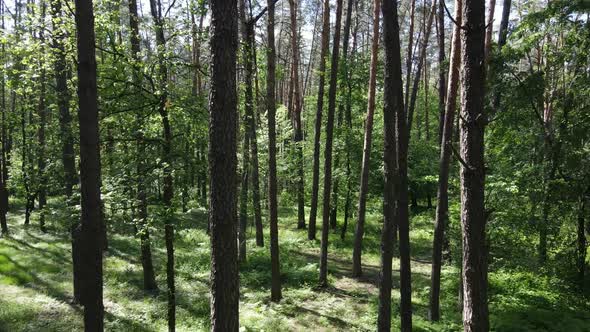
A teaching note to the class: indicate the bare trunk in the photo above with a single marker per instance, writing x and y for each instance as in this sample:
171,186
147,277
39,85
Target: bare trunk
475,307
364,186
442,205
223,112
272,158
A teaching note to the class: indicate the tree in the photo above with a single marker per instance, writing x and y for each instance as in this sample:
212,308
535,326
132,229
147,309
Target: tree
442,204
364,186
393,107
222,166
275,294
243,214
90,242
472,125
328,147
296,114
168,187
149,278
325,43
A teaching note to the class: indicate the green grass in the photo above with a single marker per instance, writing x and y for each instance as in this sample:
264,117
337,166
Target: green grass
35,283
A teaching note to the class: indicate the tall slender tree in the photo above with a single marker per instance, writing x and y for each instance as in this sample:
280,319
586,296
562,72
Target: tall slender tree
90,239
393,106
149,278
364,186
275,290
442,205
328,146
315,184
223,166
472,125
168,185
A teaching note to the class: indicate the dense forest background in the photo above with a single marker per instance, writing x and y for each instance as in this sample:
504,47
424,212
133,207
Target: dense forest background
294,165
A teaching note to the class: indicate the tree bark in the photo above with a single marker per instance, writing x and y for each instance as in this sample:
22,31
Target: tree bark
168,189
63,100
441,70
393,106
489,30
328,148
223,166
243,214
411,105
296,114
472,125
364,186
442,205
42,115
311,231
410,50
275,295
90,240
149,279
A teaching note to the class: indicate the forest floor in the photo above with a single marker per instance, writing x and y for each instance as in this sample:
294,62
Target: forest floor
36,288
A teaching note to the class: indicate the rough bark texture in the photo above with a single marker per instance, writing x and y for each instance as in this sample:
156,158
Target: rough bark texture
275,294
364,186
90,243
328,147
441,69
475,307
442,205
223,166
311,231
393,106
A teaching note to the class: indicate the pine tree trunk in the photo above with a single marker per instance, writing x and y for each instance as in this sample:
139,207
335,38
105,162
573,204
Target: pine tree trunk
311,231
328,147
475,307
393,106
442,204
41,114
149,279
90,242
364,186
272,158
223,166
168,189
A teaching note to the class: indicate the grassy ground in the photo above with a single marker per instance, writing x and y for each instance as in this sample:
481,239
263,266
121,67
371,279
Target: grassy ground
36,291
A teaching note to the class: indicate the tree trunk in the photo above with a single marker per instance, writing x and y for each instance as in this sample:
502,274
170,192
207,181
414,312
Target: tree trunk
149,279
411,105
318,121
272,158
223,167
442,204
243,214
63,100
253,140
581,250
393,106
168,189
296,114
364,186
489,30
41,113
328,147
90,241
475,307
441,70
410,49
